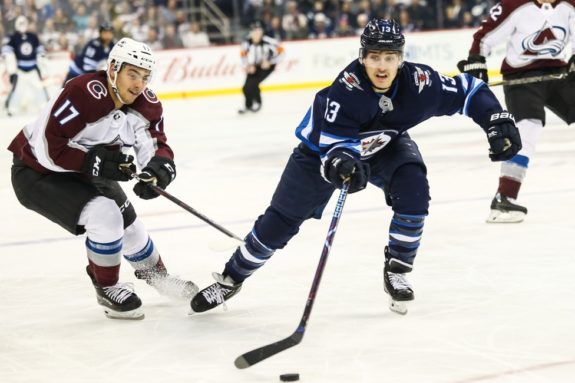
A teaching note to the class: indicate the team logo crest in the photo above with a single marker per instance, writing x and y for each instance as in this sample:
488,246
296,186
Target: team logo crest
372,142
97,89
550,40
421,78
350,81
150,96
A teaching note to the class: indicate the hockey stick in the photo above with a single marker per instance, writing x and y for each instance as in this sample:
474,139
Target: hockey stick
255,356
183,205
529,80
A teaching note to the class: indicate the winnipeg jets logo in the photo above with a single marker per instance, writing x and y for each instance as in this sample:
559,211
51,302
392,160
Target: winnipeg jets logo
550,40
421,78
350,81
372,142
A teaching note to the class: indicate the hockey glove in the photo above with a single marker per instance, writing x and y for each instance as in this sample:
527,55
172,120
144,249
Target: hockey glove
160,171
340,165
476,66
503,136
110,164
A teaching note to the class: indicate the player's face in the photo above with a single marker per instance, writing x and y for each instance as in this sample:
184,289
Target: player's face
106,36
131,82
257,35
381,68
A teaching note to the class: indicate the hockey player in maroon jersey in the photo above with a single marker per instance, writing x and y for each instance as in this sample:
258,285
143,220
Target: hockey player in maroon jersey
537,34
68,162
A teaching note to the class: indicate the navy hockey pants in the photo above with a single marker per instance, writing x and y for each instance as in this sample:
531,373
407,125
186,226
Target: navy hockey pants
302,193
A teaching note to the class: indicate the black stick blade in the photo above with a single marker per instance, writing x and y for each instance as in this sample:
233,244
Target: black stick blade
255,356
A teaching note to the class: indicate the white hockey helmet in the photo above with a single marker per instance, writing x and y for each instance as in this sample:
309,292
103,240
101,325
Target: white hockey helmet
21,24
128,51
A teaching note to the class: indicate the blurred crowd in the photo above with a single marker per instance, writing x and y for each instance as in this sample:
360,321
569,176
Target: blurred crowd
167,24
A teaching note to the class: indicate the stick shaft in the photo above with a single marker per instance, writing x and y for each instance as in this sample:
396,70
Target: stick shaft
529,80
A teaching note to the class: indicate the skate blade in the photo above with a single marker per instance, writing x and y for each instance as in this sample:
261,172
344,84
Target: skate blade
398,307
136,314
497,216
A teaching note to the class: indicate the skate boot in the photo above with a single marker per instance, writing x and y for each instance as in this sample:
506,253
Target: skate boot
215,294
505,210
119,301
396,285
168,285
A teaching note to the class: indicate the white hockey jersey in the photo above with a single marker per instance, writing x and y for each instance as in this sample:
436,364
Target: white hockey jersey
537,35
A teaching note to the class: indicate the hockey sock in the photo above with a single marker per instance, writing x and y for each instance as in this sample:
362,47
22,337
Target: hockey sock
405,233
104,261
247,258
513,171
139,249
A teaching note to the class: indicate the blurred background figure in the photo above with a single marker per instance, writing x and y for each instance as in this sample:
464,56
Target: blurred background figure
23,53
94,55
260,54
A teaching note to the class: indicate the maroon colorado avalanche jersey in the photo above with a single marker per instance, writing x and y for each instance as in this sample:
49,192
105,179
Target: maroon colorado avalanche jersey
82,116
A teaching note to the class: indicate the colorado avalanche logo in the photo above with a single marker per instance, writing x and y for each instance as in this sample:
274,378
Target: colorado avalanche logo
350,81
549,40
97,89
150,96
421,78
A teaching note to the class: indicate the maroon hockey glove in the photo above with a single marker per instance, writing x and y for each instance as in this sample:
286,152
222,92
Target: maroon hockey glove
108,163
503,136
160,171
340,165
476,66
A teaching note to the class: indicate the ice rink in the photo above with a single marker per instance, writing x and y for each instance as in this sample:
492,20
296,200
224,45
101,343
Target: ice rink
494,303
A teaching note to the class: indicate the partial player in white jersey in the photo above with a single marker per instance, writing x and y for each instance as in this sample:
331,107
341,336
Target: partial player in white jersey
68,162
260,54
539,35
23,55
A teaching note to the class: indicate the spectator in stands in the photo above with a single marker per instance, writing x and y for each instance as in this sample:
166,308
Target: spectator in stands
294,22
153,39
194,37
454,14
275,29
171,40
421,16
322,27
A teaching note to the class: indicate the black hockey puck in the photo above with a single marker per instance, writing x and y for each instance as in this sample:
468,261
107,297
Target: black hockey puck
289,377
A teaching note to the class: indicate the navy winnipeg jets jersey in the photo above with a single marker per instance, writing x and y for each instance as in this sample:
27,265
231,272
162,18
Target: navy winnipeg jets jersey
349,114
93,54
26,47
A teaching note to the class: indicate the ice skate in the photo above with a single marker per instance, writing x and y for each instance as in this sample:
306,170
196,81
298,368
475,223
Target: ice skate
505,210
168,285
242,110
396,285
215,294
256,106
119,301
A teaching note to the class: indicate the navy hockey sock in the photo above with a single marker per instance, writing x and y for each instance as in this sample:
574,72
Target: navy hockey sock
405,233
247,258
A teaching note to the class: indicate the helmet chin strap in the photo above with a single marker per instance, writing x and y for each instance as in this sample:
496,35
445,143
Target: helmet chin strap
113,84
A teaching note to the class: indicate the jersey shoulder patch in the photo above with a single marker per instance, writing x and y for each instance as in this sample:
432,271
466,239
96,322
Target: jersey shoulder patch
420,76
148,105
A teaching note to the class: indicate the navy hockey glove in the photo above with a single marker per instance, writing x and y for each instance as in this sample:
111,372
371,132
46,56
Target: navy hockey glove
503,136
340,165
160,171
476,66
108,163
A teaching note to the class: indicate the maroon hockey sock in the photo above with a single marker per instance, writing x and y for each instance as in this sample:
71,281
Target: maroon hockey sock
508,187
105,276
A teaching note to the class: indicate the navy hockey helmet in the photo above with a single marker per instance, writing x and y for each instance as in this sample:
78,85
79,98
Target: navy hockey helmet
106,26
382,35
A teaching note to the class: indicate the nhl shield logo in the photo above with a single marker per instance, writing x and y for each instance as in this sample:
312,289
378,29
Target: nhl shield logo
385,104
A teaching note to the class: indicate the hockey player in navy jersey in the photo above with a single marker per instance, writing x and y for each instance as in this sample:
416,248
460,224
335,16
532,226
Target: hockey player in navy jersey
94,54
357,129
67,164
539,35
22,51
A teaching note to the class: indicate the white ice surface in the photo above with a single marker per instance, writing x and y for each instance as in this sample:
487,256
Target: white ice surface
494,303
